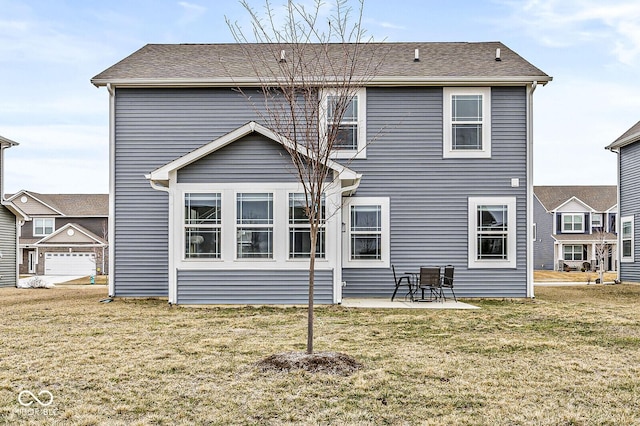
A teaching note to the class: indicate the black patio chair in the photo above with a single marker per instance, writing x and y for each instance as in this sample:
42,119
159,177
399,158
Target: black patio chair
447,282
400,281
430,279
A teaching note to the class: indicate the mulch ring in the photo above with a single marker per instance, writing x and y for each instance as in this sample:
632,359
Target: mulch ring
319,362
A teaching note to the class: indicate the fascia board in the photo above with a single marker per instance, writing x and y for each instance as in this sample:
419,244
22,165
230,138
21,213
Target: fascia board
624,142
384,81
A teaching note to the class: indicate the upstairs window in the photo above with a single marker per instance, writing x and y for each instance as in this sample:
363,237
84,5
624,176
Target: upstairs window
573,223
345,120
467,122
43,226
627,239
202,226
596,220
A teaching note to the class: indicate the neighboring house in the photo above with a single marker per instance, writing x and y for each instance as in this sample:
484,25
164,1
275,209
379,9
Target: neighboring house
573,223
627,147
10,217
65,234
204,202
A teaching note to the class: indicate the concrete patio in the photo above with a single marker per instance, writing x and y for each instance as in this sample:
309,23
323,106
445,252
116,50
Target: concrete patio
403,304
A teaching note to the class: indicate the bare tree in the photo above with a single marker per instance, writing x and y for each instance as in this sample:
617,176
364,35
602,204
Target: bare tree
602,250
310,66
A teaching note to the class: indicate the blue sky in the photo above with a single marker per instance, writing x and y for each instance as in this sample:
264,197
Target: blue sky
49,50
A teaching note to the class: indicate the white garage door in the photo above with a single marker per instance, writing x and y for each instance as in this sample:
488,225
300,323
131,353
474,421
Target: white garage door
70,264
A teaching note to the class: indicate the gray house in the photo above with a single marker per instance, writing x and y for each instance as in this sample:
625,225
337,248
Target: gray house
65,234
9,220
573,223
627,147
204,201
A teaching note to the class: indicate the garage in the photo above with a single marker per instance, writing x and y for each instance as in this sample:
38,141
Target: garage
70,264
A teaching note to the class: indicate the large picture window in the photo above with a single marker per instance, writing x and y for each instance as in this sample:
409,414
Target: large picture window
202,225
492,237
254,236
574,252
367,225
573,222
627,239
43,226
300,229
467,122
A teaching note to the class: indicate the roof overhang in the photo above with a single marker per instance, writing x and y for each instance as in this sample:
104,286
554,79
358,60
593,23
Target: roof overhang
380,81
615,146
161,176
7,143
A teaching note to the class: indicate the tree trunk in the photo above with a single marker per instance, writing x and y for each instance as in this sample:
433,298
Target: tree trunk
313,231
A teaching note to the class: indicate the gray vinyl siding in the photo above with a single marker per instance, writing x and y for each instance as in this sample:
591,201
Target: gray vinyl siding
152,128
253,287
429,194
630,206
543,246
253,158
8,270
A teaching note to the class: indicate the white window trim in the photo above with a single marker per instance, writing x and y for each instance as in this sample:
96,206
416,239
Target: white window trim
53,226
290,226
473,262
361,151
601,216
572,231
447,149
623,258
573,252
385,257
237,226
185,226
228,258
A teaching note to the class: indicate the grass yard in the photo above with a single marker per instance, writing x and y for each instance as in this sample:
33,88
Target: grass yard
569,357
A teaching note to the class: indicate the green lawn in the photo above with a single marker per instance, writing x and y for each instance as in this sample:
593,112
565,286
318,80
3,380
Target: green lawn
569,357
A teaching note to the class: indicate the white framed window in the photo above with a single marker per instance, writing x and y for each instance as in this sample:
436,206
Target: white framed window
299,229
573,252
467,122
627,229
43,226
596,220
347,125
492,232
573,222
254,225
202,225
366,232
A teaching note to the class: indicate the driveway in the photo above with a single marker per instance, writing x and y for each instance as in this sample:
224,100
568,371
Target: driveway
51,279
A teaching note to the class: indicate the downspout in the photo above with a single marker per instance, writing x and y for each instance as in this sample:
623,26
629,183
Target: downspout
529,221
112,189
173,279
349,190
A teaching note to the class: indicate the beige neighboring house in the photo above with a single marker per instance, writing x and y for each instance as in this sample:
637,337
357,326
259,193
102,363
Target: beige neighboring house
65,234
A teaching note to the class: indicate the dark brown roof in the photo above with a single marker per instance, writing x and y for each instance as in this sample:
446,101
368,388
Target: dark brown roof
630,136
227,64
599,197
76,204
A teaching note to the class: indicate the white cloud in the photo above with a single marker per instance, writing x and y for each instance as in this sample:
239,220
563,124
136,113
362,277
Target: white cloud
191,12
563,23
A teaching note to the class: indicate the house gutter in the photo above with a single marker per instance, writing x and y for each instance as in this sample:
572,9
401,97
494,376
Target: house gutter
530,284
112,190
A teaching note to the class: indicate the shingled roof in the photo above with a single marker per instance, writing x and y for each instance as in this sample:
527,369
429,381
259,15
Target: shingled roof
630,136
74,204
227,64
599,197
